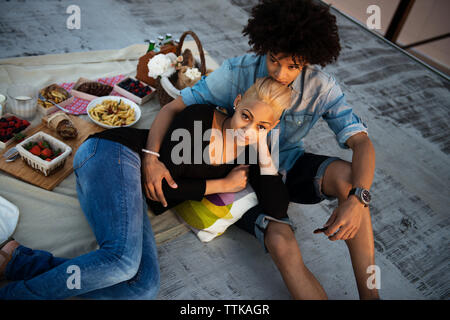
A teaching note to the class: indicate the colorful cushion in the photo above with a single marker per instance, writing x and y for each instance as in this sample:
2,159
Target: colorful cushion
210,217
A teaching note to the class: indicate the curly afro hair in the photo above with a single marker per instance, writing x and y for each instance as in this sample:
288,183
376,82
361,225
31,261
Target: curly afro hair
301,28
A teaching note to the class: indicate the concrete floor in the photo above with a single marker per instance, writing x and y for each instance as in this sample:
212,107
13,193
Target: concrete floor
405,105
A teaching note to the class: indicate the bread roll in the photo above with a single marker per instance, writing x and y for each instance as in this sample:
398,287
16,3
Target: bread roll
61,123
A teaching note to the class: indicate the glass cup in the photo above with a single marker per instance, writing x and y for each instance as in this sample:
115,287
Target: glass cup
22,101
2,104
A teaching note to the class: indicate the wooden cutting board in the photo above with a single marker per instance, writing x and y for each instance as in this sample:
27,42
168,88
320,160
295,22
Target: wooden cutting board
23,171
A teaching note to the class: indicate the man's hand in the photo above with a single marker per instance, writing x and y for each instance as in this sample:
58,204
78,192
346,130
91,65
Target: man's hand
154,171
345,220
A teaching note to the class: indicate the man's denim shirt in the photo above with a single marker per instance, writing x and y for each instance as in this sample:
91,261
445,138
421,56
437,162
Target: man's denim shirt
321,97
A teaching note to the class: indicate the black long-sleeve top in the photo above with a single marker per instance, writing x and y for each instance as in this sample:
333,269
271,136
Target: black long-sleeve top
191,175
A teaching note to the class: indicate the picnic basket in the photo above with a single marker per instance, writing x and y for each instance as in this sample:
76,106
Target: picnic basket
166,86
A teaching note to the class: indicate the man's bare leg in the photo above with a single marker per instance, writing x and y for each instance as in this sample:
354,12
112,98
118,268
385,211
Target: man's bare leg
337,182
283,247
362,253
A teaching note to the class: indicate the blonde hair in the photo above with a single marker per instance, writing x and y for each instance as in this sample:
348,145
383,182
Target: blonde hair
272,93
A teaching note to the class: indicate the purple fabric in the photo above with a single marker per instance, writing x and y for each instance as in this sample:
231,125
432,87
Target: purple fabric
224,199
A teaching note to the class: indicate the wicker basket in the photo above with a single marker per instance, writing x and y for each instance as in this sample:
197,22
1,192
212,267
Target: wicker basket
166,87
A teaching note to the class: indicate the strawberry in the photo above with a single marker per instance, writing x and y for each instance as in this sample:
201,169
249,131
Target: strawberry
46,153
43,144
35,150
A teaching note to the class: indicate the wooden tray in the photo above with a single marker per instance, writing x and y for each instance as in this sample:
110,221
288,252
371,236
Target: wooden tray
19,169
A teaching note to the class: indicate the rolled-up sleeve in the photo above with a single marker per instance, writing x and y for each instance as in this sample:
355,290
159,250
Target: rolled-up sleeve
340,117
214,89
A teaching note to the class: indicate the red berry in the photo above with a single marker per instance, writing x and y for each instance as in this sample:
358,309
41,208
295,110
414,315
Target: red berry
46,153
35,150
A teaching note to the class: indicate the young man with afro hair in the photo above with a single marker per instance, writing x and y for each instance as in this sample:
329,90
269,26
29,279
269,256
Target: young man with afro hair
291,40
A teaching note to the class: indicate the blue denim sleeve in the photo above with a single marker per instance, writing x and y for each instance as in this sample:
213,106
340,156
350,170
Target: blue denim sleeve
214,89
340,117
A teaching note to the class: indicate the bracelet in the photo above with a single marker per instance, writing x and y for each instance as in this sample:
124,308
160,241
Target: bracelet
151,152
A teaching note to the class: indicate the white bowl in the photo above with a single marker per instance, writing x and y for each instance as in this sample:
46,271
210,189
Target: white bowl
93,103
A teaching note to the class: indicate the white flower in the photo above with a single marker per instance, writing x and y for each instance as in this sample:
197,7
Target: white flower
193,73
161,65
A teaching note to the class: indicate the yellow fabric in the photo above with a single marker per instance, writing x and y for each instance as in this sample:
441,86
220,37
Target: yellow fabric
202,214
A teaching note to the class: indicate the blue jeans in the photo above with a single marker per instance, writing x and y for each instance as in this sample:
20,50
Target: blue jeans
125,266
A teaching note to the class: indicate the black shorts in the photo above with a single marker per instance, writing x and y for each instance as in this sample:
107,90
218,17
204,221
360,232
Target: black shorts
304,183
304,180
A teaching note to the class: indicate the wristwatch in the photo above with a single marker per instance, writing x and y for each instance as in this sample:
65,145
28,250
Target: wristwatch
362,194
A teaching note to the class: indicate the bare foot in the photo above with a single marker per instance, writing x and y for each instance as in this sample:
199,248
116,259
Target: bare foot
6,254
10,247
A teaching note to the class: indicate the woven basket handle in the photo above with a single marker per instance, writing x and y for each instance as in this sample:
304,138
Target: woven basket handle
199,46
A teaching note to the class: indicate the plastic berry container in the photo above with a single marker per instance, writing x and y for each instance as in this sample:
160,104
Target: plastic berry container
135,90
45,167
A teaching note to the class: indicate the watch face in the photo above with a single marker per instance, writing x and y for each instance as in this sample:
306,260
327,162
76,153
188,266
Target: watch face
365,195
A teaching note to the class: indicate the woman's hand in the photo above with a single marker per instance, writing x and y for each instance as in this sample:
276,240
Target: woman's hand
236,180
265,161
154,171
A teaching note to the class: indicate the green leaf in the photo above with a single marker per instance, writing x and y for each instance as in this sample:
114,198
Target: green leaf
19,136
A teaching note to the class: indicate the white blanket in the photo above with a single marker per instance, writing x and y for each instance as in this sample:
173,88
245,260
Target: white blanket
53,221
